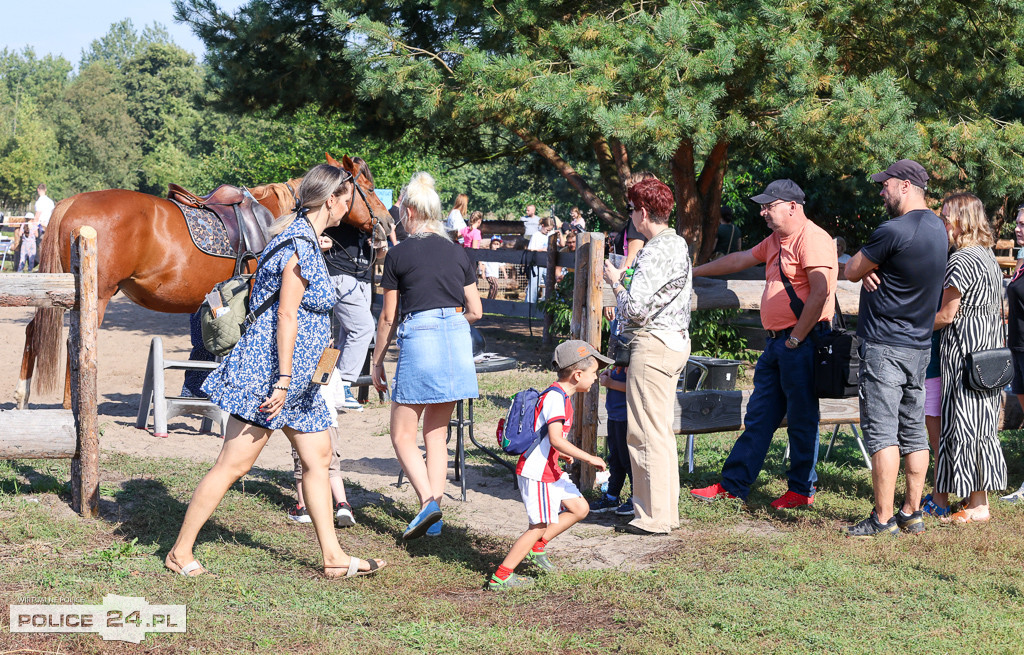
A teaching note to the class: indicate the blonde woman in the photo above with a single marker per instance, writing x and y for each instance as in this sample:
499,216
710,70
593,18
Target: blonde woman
435,281
970,460
457,216
265,382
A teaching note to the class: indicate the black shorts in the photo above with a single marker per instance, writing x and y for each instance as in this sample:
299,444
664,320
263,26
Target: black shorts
1017,385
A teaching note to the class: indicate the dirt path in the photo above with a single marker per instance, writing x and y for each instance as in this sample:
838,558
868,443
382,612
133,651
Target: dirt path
492,505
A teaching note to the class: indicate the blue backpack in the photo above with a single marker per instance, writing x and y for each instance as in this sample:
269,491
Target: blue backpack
515,432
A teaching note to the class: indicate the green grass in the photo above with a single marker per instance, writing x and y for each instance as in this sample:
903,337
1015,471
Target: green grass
737,580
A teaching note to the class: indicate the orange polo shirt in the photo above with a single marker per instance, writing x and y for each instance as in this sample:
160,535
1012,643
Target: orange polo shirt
810,247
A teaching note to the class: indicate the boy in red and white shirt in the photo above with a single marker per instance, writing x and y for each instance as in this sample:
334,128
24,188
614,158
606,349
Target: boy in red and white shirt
542,483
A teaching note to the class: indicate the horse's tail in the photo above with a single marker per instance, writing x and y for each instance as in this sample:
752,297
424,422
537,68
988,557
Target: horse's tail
50,321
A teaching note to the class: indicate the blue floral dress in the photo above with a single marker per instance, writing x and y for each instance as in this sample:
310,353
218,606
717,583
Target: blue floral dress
244,379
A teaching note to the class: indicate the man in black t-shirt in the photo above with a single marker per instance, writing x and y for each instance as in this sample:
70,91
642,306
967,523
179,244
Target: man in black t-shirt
902,268
349,262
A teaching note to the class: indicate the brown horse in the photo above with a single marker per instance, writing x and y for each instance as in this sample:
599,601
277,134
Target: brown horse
145,251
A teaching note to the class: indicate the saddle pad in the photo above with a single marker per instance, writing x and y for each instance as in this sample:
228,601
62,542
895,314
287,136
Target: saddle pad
207,231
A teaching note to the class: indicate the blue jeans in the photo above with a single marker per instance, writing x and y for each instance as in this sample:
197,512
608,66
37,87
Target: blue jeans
783,385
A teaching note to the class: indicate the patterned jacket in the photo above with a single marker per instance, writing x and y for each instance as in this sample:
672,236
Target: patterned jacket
662,278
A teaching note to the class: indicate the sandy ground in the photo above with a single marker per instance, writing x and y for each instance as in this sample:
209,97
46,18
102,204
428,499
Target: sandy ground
492,505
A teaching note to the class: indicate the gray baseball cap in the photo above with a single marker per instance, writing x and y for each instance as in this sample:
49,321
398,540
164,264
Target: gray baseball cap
569,352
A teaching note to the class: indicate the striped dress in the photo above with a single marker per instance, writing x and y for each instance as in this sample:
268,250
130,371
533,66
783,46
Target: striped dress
970,457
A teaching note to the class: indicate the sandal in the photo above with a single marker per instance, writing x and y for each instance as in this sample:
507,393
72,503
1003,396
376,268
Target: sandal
929,507
352,570
191,570
962,517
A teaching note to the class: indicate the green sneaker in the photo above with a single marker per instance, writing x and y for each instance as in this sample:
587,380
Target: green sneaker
542,561
512,582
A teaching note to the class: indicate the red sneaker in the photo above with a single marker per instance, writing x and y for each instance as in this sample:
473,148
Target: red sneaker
792,500
714,492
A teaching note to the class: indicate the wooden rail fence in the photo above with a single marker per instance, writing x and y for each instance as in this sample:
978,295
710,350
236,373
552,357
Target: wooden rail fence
61,433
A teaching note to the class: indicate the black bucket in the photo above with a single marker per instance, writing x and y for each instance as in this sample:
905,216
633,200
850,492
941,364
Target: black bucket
721,373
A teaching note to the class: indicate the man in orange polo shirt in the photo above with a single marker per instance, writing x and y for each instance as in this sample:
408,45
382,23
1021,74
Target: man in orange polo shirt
801,270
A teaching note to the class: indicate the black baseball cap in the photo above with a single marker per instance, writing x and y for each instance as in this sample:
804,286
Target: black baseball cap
904,169
785,190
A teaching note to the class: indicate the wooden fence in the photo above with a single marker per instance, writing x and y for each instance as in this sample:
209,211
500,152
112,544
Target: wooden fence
61,433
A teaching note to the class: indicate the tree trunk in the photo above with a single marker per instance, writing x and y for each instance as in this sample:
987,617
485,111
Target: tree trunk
613,184
621,156
699,200
603,211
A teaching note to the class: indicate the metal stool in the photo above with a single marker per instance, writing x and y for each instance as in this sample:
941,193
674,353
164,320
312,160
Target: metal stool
164,407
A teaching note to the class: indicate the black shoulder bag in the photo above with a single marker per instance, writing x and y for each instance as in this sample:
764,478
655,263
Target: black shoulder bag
836,354
988,370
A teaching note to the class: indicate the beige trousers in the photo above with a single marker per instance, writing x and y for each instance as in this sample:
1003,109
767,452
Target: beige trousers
651,379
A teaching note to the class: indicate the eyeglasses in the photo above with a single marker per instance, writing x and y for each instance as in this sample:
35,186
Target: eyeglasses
630,207
765,208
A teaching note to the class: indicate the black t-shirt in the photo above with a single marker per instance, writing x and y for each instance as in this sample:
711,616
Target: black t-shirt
429,272
911,252
619,247
1015,307
400,232
351,253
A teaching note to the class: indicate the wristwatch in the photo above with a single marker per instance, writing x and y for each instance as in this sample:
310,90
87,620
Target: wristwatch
792,342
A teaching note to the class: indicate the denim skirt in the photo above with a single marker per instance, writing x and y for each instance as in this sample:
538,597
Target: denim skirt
435,358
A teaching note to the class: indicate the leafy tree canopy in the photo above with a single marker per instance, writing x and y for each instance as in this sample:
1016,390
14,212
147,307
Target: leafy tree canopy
594,87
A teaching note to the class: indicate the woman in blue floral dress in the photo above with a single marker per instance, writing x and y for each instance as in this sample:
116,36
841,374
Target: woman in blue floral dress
265,382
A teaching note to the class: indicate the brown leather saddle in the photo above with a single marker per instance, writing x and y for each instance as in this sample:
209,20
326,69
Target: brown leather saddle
245,220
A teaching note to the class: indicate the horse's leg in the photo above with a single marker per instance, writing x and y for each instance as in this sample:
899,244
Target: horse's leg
28,365
101,307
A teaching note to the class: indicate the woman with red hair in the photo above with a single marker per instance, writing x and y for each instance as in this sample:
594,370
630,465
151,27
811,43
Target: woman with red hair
655,313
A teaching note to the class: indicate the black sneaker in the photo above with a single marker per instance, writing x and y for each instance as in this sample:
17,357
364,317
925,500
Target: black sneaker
910,523
872,527
625,509
604,504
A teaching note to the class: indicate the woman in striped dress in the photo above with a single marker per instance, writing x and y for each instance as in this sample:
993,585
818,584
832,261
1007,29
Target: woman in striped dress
970,460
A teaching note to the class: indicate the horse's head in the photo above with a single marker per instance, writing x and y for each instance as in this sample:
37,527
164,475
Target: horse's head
366,211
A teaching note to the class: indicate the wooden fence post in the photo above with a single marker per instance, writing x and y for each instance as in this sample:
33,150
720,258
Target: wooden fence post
85,481
549,286
586,325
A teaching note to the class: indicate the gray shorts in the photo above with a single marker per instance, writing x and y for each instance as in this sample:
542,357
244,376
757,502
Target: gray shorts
892,397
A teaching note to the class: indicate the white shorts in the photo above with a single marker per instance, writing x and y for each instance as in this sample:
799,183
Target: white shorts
933,397
543,499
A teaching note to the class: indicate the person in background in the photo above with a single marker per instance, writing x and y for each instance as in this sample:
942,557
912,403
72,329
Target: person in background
970,461
576,222
29,240
614,380
470,236
457,216
492,270
841,256
43,209
398,233
570,246
1015,330
538,243
435,282
729,239
531,222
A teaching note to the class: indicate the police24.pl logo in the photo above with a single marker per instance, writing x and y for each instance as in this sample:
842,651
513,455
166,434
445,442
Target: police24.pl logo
119,618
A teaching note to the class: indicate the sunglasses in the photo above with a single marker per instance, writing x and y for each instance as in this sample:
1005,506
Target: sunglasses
630,207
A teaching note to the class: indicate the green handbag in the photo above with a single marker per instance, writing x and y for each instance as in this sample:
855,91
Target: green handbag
221,333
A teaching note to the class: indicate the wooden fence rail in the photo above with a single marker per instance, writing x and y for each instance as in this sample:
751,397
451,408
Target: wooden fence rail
59,433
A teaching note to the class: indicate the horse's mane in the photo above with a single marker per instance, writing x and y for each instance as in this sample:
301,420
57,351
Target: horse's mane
276,196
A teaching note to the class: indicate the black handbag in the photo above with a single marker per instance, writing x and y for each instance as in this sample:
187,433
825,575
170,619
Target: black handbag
836,360
836,354
988,370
